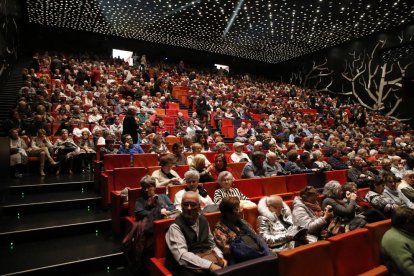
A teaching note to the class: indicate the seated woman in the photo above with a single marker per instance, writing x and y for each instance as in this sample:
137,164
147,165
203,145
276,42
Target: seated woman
196,151
166,176
199,165
307,213
220,165
343,210
18,154
87,151
191,179
158,146
319,162
65,149
41,147
151,205
275,224
225,180
379,201
364,208
390,190
232,230
201,139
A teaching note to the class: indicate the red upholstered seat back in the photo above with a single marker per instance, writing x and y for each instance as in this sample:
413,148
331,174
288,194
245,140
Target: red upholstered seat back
352,253
376,231
338,175
274,185
182,169
237,169
211,187
296,182
249,187
160,228
112,161
310,259
128,177
172,190
145,160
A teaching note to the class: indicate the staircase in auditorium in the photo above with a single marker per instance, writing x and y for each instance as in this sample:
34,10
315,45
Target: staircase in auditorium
56,225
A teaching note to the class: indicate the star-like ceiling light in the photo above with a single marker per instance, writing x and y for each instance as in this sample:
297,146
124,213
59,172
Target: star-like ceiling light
265,30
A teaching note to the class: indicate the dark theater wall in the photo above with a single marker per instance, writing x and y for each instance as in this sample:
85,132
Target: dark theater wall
66,40
377,71
10,14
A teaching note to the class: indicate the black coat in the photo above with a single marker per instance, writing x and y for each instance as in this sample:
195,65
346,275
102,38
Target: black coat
130,126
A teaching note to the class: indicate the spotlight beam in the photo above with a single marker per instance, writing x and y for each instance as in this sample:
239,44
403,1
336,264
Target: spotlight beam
192,3
233,17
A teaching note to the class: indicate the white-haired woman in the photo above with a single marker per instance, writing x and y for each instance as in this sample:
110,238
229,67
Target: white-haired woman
225,180
275,224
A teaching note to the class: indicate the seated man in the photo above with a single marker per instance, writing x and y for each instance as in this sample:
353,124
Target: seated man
271,166
188,238
406,190
397,245
128,146
255,168
357,175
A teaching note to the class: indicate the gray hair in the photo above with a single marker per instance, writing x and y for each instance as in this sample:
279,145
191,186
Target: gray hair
191,175
332,189
222,175
316,154
270,154
147,181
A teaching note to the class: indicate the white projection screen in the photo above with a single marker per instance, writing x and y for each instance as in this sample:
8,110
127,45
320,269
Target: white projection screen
125,55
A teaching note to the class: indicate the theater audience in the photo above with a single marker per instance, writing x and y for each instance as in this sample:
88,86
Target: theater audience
362,178
199,164
219,165
65,150
271,166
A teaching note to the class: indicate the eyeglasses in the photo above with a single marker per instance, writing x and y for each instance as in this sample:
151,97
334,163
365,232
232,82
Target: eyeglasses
189,204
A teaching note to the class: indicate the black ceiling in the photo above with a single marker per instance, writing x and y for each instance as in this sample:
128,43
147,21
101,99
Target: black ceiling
263,30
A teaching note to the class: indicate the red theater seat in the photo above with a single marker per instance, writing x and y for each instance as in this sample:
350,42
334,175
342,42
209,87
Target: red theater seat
182,169
237,169
338,175
352,253
128,177
296,182
252,187
145,160
274,185
311,259
376,231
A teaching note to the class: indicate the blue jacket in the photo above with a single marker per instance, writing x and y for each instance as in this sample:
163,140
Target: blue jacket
135,148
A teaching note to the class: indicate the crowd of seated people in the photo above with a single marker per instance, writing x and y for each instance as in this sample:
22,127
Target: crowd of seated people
281,129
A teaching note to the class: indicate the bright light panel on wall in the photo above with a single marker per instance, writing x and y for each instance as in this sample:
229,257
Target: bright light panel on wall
124,55
223,67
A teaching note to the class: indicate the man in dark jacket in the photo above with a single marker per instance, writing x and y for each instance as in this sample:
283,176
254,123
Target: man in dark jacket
130,125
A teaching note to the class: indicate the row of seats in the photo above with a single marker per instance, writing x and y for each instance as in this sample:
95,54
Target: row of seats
255,188
352,253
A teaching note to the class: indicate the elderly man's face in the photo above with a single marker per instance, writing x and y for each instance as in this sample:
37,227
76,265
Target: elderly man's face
190,207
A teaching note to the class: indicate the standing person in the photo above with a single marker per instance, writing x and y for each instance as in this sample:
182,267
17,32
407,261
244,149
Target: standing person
130,125
143,62
188,238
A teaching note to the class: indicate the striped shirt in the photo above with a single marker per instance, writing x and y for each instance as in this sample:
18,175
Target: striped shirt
219,194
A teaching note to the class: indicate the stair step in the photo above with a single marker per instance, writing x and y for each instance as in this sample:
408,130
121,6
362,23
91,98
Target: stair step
54,223
78,253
